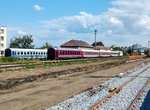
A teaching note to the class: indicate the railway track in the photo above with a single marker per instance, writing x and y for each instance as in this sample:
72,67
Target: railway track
125,93
137,98
116,91
16,65
22,65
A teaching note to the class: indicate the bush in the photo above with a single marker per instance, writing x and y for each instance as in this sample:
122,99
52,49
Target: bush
7,59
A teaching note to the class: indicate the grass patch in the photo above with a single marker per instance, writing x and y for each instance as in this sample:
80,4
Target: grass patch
7,59
30,66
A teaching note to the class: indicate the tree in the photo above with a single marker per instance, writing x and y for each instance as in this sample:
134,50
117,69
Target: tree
24,41
116,48
46,45
98,44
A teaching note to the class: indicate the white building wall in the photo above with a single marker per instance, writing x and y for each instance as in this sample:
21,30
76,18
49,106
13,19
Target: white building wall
3,39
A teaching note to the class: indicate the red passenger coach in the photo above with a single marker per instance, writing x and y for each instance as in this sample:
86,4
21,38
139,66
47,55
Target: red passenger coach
66,53
63,53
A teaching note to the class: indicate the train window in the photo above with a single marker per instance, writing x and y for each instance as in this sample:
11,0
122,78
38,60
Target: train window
24,53
21,53
18,53
13,53
28,53
36,52
33,53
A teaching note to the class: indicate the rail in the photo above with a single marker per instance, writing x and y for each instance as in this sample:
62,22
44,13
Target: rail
97,105
21,65
132,106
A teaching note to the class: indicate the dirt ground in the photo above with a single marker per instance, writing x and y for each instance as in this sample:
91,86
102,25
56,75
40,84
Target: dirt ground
44,92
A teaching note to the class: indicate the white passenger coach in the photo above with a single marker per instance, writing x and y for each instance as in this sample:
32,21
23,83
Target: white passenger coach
26,53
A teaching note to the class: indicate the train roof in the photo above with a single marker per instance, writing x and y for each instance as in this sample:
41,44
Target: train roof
90,50
20,49
74,49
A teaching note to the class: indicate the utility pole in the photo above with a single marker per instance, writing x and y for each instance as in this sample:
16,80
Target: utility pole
95,31
148,47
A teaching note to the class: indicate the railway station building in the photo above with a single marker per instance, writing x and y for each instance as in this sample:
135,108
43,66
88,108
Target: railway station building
76,44
82,45
3,38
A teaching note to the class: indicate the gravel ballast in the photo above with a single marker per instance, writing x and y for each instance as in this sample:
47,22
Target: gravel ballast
120,101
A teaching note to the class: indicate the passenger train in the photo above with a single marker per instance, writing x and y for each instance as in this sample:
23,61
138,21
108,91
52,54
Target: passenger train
59,53
64,53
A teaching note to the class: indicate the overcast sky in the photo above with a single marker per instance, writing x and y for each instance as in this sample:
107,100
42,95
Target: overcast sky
118,22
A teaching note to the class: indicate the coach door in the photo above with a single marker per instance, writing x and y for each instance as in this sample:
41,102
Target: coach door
51,54
7,53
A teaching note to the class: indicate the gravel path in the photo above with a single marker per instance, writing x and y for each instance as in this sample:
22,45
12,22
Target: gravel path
120,101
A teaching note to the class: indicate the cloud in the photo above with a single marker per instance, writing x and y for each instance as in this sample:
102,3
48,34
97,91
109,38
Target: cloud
20,32
116,21
37,7
125,23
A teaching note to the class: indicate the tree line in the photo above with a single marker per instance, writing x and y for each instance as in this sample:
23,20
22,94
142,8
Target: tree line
26,42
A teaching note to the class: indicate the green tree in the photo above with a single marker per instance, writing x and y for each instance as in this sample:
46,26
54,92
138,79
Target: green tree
114,48
46,45
117,48
130,51
98,44
24,41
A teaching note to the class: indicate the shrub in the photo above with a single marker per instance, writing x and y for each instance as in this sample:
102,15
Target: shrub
8,59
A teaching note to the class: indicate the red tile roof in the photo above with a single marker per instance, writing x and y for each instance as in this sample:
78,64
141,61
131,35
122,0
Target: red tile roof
76,43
